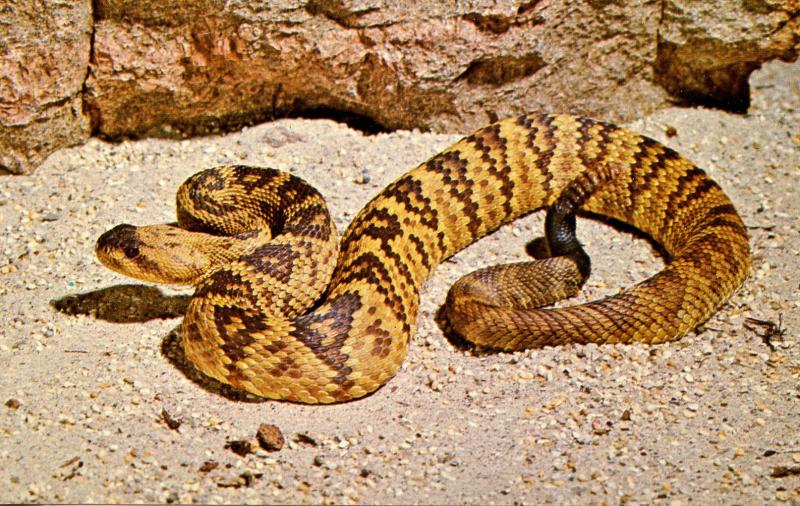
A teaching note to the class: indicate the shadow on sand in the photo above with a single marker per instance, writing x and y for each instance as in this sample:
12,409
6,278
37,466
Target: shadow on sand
141,303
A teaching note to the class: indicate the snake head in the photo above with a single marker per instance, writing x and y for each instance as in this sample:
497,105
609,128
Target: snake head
165,253
140,252
120,249
121,238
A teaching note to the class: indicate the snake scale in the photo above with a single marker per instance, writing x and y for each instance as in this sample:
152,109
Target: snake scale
285,310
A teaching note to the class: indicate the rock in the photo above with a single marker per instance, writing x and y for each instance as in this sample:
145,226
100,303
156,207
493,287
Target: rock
176,68
241,447
428,65
707,50
44,56
208,466
269,437
171,422
305,439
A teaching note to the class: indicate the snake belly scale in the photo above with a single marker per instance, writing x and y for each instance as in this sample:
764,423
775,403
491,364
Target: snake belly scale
285,310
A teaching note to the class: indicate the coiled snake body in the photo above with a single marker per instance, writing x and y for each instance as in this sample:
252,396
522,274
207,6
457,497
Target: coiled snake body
283,310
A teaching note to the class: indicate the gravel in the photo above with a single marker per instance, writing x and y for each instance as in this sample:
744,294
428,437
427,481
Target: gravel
96,406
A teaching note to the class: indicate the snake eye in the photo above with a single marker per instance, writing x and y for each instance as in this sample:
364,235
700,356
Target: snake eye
121,237
131,251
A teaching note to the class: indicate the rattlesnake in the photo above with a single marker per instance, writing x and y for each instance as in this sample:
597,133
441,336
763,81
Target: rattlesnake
285,310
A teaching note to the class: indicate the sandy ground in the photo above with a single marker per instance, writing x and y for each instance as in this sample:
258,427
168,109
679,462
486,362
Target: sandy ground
85,388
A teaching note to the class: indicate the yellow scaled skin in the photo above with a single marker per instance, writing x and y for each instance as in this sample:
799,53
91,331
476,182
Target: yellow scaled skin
248,324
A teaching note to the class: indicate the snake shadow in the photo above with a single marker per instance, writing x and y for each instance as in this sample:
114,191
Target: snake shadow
133,303
124,304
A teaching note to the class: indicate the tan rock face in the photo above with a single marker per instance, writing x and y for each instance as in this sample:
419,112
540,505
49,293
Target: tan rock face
425,65
707,50
177,67
44,55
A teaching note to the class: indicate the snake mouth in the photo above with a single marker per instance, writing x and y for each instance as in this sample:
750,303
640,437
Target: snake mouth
120,238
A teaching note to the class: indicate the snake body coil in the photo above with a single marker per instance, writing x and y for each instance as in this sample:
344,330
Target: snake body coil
261,250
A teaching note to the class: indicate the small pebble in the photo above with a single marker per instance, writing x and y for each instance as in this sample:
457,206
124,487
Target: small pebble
240,447
270,437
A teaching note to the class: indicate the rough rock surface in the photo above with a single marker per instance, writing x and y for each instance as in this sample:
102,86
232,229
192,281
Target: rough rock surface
176,68
707,50
424,65
44,55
